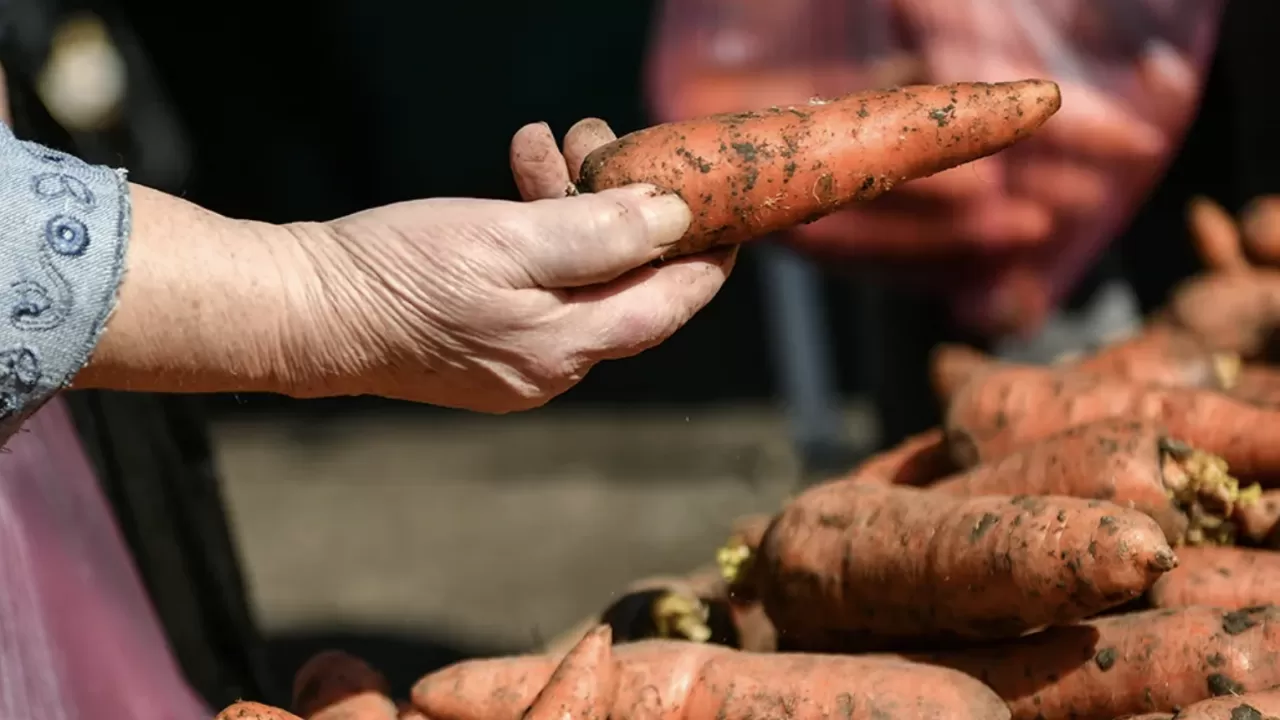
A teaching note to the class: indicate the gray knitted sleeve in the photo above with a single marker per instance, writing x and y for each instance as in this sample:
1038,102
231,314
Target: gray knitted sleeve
64,226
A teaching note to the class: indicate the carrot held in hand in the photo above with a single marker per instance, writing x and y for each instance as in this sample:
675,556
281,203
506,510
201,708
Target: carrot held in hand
748,174
664,680
1145,662
1000,411
851,566
1131,463
1229,578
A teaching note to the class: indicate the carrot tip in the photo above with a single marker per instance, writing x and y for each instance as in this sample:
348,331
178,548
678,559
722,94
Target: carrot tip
1164,560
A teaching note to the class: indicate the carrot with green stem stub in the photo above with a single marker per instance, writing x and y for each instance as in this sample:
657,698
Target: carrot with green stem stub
1131,463
749,174
1000,411
851,566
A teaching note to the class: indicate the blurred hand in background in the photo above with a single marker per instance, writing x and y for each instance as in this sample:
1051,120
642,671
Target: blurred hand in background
1004,237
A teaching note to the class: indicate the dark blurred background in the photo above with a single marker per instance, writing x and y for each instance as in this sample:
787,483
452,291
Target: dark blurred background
398,532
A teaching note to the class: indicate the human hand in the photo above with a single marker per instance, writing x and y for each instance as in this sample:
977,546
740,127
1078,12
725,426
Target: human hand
499,306
1130,74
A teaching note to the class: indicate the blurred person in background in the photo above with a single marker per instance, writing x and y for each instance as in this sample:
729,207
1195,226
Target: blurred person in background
487,305
1001,243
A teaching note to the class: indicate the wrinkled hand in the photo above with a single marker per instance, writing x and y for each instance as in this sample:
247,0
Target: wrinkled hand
499,306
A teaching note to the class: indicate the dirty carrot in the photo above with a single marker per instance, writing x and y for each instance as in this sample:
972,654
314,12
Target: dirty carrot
666,680
584,683
1163,356
254,711
1263,705
1160,355
1258,523
851,566
952,365
1231,312
919,459
748,174
1257,385
1216,236
1000,411
1131,463
1230,578
333,685
1145,662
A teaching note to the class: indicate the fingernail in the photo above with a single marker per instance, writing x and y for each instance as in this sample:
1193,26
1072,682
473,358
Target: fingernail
666,215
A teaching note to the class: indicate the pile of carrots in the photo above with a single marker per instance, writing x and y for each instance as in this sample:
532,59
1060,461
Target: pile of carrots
1091,540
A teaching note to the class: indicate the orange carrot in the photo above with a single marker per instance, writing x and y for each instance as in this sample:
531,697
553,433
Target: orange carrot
254,711
1154,661
333,685
1159,355
1260,223
1263,705
664,680
1000,411
1231,578
1258,523
752,173
919,459
1163,356
851,566
584,685
1230,312
1257,385
1216,236
1128,462
952,365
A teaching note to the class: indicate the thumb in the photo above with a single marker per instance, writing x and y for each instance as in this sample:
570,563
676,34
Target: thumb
594,238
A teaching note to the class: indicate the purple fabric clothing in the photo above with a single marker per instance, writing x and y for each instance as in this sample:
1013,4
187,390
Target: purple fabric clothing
79,639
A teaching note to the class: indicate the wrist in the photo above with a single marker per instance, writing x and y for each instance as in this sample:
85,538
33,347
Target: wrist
206,303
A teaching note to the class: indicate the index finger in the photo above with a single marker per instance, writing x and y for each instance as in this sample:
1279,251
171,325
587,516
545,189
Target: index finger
584,137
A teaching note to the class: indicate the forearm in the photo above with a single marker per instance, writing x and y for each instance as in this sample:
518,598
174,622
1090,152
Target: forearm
206,303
